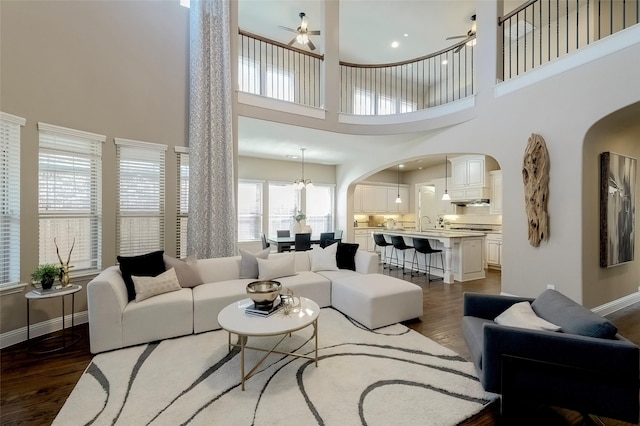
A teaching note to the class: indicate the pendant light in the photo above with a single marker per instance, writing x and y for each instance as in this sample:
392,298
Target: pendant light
399,200
445,196
302,183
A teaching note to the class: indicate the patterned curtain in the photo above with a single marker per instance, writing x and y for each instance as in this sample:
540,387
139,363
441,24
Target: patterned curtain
212,217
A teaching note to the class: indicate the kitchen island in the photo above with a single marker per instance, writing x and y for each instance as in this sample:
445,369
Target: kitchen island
463,252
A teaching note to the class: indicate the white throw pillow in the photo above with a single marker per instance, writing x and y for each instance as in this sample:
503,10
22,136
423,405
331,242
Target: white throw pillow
324,259
147,287
521,315
249,264
276,267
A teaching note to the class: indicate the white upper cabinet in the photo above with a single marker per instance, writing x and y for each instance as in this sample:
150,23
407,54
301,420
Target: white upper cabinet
357,200
468,171
496,192
380,199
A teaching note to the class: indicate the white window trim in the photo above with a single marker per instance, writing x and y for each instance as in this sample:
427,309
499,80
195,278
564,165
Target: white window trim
95,137
140,144
13,287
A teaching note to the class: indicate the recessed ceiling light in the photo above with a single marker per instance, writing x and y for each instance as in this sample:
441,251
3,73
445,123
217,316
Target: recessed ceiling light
406,35
401,165
291,156
395,44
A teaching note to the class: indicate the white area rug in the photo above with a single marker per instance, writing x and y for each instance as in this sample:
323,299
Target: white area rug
390,376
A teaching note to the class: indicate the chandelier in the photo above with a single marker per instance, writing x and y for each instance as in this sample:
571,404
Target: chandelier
302,183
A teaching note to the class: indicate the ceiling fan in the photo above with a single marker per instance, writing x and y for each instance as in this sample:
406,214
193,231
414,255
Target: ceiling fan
302,32
469,35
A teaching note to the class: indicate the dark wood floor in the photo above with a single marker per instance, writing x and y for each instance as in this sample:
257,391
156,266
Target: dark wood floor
33,388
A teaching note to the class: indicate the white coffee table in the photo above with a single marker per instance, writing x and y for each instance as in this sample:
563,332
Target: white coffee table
234,320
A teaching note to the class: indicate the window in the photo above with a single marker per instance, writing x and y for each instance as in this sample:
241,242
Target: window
249,210
70,197
140,210
362,102
10,198
284,200
279,84
249,76
320,208
182,202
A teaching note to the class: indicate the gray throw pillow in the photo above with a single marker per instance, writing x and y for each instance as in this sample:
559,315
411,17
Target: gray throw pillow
249,263
557,308
186,270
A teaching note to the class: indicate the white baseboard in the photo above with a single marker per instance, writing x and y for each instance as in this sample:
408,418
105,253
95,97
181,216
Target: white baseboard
616,305
40,329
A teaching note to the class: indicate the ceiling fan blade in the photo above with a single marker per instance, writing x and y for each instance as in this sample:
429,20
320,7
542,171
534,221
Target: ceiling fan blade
293,40
287,28
314,32
454,37
311,45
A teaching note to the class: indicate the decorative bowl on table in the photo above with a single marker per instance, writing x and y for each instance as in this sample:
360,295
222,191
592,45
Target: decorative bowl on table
264,293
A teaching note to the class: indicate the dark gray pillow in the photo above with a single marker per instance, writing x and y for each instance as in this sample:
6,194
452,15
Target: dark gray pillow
572,317
145,265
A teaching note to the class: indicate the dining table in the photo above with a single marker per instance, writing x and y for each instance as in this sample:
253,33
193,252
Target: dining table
283,242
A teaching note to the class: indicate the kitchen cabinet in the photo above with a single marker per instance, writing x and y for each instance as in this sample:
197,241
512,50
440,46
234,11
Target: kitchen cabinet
442,207
364,238
472,256
495,177
467,170
493,250
357,200
380,199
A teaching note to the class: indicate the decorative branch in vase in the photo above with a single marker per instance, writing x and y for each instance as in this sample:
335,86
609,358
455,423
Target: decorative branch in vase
64,267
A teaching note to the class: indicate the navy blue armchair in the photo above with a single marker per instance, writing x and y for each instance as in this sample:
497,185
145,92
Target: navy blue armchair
586,366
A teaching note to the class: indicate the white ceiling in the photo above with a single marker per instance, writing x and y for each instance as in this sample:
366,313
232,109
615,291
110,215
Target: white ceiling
367,28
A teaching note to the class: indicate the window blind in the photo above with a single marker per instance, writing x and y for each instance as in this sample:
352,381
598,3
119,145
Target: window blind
70,197
141,191
10,198
182,202
249,210
284,201
320,208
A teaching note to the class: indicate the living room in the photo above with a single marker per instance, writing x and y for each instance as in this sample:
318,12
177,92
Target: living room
120,69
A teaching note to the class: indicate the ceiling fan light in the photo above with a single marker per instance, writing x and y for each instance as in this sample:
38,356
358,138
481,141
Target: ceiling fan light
302,38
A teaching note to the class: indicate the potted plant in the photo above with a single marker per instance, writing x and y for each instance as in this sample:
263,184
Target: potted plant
46,274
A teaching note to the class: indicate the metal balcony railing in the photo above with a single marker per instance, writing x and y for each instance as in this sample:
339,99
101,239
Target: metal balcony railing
275,70
540,31
413,85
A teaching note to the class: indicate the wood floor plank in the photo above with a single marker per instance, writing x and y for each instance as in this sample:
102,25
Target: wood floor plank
33,388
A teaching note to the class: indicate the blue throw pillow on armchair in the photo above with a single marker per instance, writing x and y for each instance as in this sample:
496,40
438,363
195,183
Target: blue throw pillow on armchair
145,265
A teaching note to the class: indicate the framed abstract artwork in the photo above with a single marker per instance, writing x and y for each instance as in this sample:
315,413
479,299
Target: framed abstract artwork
617,208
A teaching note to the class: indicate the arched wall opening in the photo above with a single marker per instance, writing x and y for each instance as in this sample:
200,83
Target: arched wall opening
618,132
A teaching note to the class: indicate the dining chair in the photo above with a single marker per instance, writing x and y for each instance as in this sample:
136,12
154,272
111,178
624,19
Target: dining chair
326,239
338,235
284,233
303,242
265,243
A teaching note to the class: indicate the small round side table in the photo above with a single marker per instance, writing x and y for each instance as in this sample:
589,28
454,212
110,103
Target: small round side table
72,338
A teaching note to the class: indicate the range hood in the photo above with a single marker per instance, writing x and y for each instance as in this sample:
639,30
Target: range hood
478,202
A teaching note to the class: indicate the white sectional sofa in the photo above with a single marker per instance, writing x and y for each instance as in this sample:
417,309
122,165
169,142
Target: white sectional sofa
115,322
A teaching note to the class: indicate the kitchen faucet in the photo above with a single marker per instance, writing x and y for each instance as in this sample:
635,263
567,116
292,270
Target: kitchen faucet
421,220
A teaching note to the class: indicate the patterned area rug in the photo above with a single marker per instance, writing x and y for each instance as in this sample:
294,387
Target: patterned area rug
390,376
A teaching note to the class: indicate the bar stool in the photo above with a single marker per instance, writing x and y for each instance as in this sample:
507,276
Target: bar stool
421,245
398,244
379,241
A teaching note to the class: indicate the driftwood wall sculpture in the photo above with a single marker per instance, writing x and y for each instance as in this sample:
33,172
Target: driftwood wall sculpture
535,174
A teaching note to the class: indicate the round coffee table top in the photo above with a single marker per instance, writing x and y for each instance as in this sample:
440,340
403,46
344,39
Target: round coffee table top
234,319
